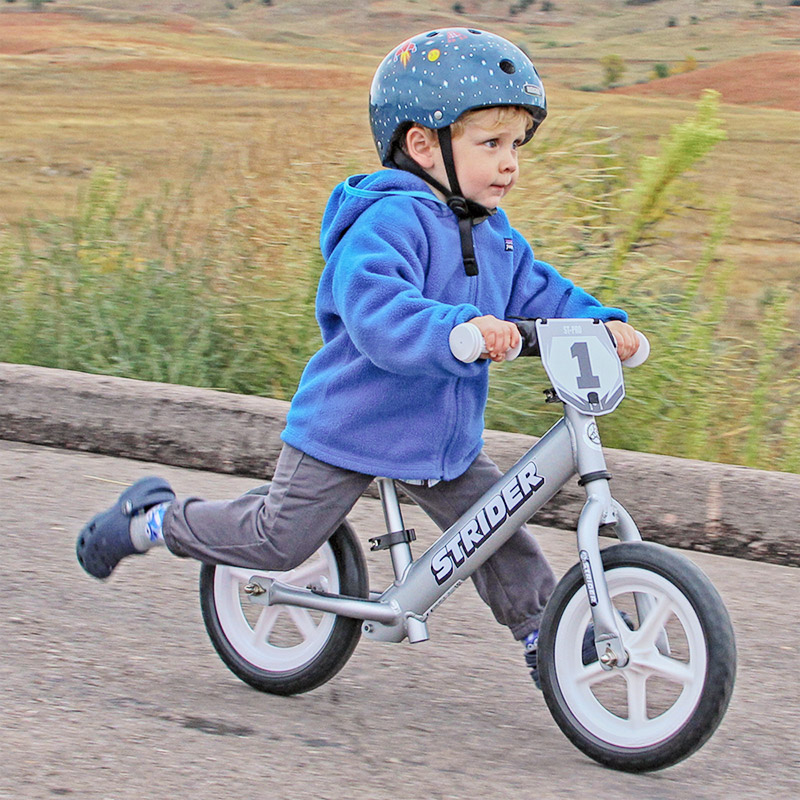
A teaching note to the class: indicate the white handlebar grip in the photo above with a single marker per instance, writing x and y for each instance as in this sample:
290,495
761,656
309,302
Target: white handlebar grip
466,342
513,352
640,356
467,345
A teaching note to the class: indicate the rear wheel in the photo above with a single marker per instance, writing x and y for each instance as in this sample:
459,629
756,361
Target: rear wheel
671,696
285,649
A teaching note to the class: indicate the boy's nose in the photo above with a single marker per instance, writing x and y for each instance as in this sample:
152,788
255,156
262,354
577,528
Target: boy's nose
509,161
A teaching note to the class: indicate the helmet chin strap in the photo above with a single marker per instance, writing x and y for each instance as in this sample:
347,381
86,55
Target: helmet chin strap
469,212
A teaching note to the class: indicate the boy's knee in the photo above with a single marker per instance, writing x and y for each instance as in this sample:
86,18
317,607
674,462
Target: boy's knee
282,553
282,562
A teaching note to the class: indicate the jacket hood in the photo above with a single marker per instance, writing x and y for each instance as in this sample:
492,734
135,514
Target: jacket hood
355,195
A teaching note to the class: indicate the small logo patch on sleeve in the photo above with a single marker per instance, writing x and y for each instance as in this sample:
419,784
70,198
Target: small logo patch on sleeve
509,245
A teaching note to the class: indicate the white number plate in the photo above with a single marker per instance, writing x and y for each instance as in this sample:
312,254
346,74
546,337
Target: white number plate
580,359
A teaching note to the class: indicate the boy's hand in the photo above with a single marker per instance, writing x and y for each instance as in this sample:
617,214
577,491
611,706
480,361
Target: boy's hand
625,337
499,335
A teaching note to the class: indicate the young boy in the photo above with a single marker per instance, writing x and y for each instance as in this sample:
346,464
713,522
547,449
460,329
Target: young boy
411,252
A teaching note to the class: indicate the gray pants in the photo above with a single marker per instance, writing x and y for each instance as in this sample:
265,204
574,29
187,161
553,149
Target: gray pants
309,499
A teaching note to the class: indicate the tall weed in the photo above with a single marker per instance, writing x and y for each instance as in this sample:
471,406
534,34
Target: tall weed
125,294
716,387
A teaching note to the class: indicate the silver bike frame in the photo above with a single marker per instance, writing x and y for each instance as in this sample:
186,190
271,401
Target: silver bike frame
571,447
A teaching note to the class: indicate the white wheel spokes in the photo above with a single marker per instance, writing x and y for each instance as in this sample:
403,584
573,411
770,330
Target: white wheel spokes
315,567
276,638
655,621
266,622
303,620
669,669
241,574
594,675
637,698
312,570
653,695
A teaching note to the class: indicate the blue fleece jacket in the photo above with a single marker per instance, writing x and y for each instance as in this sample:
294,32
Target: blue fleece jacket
384,395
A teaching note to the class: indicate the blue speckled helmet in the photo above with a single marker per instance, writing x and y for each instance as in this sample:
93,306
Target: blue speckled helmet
433,78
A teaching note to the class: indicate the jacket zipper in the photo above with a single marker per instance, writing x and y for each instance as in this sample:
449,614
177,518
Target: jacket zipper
457,385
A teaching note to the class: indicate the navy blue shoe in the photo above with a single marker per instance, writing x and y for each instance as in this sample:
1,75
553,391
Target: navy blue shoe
532,657
105,540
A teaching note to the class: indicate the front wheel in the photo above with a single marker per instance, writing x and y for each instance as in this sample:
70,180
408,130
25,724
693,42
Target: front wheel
285,649
674,690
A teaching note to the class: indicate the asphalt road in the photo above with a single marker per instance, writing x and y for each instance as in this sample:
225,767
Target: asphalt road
113,691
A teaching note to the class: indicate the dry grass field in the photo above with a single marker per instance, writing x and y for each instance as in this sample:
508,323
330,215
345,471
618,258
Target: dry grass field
183,152
271,101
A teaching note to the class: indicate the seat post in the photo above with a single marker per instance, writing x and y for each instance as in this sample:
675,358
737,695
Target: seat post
400,550
397,541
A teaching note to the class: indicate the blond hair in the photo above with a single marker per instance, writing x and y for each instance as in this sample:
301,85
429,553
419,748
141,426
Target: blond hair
501,115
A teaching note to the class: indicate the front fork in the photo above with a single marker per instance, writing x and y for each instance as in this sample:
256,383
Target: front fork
599,510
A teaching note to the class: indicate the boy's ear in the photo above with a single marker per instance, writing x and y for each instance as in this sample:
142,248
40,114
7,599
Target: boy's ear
420,144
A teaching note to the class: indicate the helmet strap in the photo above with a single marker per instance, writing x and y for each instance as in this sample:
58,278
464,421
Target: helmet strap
468,212
458,203
402,160
446,145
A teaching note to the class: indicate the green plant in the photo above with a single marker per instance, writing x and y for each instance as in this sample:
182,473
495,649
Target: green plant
614,68
686,144
519,7
660,70
714,388
122,294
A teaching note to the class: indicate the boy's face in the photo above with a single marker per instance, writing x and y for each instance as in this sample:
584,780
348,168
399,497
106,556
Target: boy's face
485,154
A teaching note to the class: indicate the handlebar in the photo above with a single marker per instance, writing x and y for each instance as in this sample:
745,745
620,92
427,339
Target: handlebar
467,345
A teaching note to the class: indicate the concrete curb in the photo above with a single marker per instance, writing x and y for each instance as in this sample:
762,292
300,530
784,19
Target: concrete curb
688,504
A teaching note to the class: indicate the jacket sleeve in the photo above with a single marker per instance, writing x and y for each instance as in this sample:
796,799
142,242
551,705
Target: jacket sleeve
540,291
378,289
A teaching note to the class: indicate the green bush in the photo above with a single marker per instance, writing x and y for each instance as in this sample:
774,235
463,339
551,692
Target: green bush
123,294
614,68
661,70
